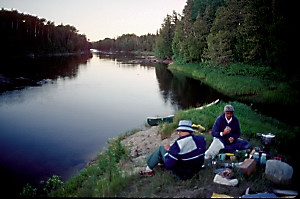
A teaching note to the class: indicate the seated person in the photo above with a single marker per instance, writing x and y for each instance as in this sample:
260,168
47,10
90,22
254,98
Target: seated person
184,158
226,132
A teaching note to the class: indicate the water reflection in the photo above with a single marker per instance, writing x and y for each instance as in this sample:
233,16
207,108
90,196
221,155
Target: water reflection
57,127
118,57
183,91
20,72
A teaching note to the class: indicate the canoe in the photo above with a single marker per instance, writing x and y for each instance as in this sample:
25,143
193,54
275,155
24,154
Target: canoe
285,192
154,121
207,105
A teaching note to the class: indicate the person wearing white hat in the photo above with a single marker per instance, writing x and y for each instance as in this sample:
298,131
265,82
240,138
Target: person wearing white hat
184,158
226,132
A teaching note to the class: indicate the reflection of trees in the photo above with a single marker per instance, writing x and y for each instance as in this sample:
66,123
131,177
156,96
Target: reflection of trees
180,90
24,72
184,91
119,57
164,78
127,59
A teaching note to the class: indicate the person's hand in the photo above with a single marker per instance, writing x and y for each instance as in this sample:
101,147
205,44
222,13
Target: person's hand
226,130
231,139
167,146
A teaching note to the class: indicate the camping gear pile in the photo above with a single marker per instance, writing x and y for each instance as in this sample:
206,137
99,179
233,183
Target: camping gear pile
245,162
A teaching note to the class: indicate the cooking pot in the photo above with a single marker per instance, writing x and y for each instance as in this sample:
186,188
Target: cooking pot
267,139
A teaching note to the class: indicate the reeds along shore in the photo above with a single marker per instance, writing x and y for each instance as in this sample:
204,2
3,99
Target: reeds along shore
252,83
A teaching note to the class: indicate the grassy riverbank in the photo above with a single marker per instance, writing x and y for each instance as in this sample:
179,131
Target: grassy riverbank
109,176
250,83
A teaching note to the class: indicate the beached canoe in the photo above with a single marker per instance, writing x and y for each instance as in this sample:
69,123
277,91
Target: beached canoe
207,105
154,121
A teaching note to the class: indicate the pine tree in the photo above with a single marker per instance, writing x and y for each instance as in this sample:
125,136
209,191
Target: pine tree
163,46
178,41
222,37
197,40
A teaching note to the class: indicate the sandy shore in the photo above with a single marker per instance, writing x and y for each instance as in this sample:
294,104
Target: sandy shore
143,143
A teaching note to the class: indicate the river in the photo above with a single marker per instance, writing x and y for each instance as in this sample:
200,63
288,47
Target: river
60,111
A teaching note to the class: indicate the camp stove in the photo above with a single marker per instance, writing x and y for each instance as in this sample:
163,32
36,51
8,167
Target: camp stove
267,140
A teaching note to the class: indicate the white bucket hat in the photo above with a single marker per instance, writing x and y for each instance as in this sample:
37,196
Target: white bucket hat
185,125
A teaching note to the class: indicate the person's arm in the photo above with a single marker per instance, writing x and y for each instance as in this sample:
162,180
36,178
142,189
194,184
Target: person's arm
216,130
201,143
237,130
171,157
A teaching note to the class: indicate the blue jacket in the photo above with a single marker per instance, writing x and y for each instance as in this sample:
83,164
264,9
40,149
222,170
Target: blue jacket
220,125
186,156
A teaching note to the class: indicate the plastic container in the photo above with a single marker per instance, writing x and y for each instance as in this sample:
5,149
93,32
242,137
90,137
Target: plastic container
263,159
256,157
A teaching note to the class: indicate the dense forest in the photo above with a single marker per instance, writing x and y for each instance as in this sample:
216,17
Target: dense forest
127,42
222,32
23,34
219,31
228,31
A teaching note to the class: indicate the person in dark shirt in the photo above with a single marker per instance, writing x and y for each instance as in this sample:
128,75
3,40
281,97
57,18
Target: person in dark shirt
184,158
226,132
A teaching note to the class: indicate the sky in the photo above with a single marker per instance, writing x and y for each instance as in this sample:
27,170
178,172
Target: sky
100,19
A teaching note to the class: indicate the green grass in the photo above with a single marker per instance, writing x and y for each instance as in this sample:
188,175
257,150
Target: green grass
252,83
251,122
107,178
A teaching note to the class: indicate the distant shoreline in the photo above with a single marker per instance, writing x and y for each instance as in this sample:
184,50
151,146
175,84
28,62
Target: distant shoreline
34,55
148,57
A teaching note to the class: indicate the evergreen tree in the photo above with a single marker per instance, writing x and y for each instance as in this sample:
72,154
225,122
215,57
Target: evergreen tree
31,35
187,18
253,31
197,40
209,16
192,31
222,37
163,46
187,30
178,42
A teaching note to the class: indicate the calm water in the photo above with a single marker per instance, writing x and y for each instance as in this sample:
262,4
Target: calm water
72,105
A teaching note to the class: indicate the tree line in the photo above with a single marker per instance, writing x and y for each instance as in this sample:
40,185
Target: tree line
127,42
25,34
219,31
227,31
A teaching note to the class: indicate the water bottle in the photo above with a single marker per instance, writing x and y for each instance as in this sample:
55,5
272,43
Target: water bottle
263,159
236,164
256,157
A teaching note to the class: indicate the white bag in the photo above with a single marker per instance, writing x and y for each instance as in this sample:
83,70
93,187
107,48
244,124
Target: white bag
214,148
